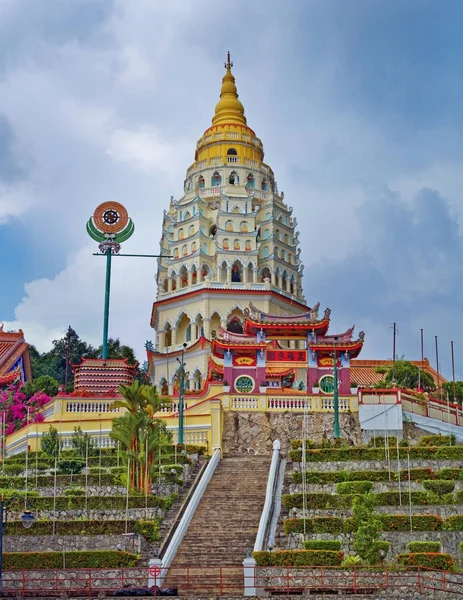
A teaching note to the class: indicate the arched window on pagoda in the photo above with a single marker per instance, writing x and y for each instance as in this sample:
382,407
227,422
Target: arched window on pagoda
191,230
250,273
237,272
284,280
164,387
216,179
199,324
264,185
250,181
194,275
265,274
229,226
201,181
165,284
183,329
212,231
235,325
223,272
265,252
231,152
232,155
233,178
183,277
277,234
266,234
168,336
197,380
188,333
204,272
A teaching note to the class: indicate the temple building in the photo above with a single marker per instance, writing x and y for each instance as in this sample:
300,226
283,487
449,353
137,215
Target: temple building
15,361
230,296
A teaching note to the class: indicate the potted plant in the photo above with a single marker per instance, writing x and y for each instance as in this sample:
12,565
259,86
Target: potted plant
226,386
315,387
263,387
353,387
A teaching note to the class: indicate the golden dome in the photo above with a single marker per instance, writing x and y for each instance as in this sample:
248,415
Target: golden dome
229,109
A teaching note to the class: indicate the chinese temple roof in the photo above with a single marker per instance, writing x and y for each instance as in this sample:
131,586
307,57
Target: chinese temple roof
100,376
364,374
15,362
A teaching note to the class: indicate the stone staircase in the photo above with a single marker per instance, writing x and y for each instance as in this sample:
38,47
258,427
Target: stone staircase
223,527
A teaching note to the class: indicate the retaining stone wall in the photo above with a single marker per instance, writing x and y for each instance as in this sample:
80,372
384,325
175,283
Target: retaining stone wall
135,514
378,486
162,489
377,465
444,511
254,433
67,543
398,539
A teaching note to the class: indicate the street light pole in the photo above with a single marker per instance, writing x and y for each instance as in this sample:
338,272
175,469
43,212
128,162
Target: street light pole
336,393
27,519
181,393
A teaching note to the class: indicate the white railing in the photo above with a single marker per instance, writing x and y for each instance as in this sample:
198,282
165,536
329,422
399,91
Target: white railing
159,567
244,402
233,159
92,407
328,404
216,160
211,191
267,510
250,162
257,193
232,135
297,404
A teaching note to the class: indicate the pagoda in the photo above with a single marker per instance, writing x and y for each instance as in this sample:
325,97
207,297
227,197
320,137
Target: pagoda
15,361
230,299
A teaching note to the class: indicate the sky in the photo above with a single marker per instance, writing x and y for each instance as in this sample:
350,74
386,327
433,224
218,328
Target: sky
359,105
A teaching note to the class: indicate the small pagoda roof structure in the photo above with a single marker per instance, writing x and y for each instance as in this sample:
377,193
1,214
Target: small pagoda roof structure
344,343
228,340
257,320
99,376
15,362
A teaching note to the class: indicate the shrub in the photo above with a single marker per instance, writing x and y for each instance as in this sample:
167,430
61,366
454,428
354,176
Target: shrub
297,526
327,525
93,502
431,560
419,522
74,491
97,470
459,497
70,466
380,440
453,523
460,546
423,546
354,487
439,486
437,440
118,470
148,529
322,545
83,559
449,473
449,453
14,469
349,525
298,558
417,474
61,480
393,498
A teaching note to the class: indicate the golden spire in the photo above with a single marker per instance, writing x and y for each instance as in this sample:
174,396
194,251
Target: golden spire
229,109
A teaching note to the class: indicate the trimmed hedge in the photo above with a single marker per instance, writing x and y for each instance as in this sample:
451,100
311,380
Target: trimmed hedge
460,546
148,529
439,486
14,468
359,453
431,560
437,440
322,500
449,473
354,487
61,481
299,558
94,502
380,440
423,546
332,525
419,522
417,474
322,545
106,559
453,523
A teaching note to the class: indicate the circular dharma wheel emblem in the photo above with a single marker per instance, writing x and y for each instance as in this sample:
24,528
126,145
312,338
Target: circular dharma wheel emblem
110,217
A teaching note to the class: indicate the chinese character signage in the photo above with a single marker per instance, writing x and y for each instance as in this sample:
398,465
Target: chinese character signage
244,361
287,356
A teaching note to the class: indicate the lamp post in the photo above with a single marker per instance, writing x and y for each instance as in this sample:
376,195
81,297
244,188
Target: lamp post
181,392
27,519
336,393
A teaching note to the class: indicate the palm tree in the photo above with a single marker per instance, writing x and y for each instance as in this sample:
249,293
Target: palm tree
140,433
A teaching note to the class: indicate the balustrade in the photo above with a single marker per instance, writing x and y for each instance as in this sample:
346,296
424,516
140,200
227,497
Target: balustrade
297,404
244,402
93,407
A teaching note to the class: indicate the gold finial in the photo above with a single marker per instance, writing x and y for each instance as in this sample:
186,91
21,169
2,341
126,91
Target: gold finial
229,109
229,64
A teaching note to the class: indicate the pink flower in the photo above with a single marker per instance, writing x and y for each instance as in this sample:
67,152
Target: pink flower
39,418
10,429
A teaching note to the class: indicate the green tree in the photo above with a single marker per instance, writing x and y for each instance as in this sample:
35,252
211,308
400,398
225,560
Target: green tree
448,391
50,442
142,437
407,375
369,527
81,442
44,383
116,350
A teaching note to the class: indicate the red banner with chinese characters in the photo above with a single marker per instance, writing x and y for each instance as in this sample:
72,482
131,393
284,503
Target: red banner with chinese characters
287,356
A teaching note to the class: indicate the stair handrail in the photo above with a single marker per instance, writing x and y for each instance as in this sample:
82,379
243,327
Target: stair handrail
269,495
185,521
